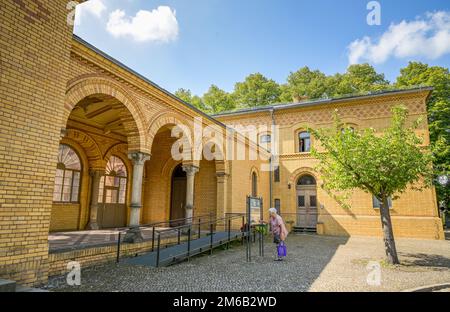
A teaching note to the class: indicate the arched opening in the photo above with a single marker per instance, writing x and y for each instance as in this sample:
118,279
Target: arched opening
306,193
112,194
166,182
97,124
178,195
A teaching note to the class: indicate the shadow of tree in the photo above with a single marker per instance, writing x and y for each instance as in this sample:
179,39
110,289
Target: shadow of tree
425,260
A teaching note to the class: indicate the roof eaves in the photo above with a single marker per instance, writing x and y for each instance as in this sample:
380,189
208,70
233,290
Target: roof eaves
125,67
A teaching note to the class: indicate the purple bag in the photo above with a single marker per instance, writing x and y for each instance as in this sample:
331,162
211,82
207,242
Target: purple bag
282,250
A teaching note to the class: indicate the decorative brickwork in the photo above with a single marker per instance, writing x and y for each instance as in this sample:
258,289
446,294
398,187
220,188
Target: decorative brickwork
415,214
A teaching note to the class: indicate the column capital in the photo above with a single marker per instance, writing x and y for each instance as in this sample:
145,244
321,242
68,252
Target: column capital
138,158
221,175
63,133
190,170
96,172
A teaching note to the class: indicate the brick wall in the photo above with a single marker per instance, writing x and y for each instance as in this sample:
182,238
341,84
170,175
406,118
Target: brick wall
35,48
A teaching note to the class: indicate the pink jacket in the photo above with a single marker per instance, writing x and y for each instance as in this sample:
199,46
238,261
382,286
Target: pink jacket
278,227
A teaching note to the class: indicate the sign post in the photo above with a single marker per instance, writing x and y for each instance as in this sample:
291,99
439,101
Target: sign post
254,216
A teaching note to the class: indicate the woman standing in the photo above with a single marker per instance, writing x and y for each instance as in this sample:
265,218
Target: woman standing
278,229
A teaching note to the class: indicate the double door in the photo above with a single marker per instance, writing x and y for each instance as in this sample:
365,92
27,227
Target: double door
307,207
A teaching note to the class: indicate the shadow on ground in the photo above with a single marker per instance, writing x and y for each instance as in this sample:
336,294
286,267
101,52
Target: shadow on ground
224,271
425,260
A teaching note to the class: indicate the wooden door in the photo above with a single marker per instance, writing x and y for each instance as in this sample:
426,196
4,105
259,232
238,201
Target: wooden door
112,211
307,207
178,201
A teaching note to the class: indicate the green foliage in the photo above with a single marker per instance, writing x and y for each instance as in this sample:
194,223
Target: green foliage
383,164
256,90
305,83
264,229
438,113
217,100
359,78
186,96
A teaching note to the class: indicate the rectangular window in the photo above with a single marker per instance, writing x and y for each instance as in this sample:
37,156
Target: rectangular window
377,204
100,189
313,201
75,186
276,174
304,142
278,206
122,190
301,201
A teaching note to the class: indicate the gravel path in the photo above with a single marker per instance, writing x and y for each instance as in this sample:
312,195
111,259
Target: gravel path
314,263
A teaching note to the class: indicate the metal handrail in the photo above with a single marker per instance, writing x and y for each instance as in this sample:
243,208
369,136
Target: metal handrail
153,226
187,254
168,221
198,223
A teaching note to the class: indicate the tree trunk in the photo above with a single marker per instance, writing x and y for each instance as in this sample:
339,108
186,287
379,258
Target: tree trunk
386,223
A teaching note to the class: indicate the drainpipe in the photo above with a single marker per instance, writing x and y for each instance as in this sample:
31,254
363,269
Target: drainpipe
270,163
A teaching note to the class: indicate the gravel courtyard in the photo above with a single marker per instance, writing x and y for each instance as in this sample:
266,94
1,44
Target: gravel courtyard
314,263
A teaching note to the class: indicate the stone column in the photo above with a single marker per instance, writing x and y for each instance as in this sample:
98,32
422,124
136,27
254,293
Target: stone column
190,170
96,175
134,235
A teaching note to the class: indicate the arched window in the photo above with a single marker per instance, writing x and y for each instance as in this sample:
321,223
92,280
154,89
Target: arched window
254,184
68,174
265,138
113,185
306,180
304,142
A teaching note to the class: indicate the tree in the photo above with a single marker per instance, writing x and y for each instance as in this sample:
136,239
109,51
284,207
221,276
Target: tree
438,107
359,78
186,96
256,90
305,83
217,100
382,164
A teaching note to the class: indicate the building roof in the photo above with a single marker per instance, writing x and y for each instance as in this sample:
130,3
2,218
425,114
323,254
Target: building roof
123,66
273,107
310,103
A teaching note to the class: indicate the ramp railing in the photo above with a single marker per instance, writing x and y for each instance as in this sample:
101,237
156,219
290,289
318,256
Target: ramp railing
160,224
193,233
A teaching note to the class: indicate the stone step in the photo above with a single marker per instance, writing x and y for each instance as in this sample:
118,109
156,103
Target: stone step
304,230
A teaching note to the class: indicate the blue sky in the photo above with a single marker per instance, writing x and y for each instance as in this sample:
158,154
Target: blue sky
193,44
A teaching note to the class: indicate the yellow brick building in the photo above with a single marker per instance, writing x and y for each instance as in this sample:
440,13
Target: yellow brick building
85,143
297,187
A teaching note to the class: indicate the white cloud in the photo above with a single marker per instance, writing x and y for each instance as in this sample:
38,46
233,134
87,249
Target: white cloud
93,7
428,37
159,24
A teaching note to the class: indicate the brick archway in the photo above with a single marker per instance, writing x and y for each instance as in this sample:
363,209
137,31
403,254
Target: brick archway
132,116
301,172
163,119
89,146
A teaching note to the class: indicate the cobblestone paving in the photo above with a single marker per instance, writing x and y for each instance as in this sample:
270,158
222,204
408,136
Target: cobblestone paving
314,263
